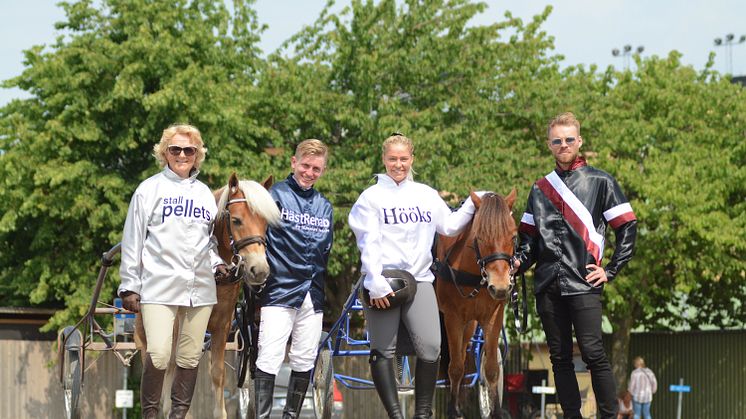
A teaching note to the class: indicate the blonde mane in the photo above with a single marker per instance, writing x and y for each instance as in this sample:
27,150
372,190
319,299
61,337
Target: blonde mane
258,198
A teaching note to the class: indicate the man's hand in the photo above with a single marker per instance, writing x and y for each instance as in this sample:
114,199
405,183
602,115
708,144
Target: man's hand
131,301
516,263
597,276
221,272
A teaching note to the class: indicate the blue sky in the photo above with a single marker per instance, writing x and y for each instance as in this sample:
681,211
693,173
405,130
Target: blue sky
585,31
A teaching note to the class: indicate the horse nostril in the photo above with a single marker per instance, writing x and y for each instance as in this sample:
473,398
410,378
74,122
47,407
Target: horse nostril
497,294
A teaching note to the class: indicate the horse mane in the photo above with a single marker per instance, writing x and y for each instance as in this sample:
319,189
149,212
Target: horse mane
258,198
492,219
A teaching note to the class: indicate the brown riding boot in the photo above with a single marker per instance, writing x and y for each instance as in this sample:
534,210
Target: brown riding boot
151,386
182,390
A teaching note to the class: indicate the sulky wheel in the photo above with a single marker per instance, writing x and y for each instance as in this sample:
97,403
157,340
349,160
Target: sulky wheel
72,370
323,387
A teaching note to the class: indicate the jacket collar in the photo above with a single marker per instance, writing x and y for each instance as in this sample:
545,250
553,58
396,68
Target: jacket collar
171,175
578,163
305,193
385,180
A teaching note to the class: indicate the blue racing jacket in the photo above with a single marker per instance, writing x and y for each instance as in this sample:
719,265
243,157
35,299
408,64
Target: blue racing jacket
298,249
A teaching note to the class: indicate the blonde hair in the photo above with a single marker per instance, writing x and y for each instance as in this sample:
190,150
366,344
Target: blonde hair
640,360
160,149
311,147
564,119
399,138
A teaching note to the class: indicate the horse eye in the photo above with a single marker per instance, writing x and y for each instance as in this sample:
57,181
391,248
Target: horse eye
236,221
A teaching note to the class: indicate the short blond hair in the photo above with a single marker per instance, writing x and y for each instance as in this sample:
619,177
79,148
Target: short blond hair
311,147
564,119
160,149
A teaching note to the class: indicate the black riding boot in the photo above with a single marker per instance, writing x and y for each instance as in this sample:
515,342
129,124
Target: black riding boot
264,386
151,386
297,386
425,375
382,371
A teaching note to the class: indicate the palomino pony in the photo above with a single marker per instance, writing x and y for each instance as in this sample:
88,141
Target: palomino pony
481,252
245,208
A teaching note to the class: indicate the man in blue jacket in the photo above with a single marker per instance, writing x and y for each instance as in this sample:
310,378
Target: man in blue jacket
293,298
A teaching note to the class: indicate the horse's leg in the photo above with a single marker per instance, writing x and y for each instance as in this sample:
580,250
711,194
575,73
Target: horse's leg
456,329
492,366
217,369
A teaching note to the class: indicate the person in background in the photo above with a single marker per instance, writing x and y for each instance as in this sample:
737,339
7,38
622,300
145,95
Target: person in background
625,405
395,222
293,298
168,262
642,385
562,232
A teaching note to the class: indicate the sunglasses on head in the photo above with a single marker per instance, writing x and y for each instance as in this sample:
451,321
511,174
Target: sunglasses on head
558,141
175,150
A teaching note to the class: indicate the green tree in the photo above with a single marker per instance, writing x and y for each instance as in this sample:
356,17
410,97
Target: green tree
101,96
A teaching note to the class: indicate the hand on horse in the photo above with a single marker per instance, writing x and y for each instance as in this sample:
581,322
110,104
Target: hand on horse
131,301
382,302
221,272
597,275
515,263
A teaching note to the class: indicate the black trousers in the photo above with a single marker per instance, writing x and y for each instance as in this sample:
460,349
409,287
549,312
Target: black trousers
559,316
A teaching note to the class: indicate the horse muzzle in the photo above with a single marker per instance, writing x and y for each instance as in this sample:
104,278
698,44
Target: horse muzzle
253,270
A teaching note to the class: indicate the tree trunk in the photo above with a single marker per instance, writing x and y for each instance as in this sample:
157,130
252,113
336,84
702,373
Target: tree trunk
620,350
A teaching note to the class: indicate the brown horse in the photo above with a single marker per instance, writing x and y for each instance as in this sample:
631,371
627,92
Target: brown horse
245,208
482,251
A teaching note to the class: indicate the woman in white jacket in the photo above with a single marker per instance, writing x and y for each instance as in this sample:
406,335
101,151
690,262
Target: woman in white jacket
168,257
395,222
642,385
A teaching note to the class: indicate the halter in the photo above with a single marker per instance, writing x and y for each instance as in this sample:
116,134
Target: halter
520,321
235,272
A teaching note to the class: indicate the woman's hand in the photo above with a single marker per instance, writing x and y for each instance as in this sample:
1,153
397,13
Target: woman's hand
381,303
131,301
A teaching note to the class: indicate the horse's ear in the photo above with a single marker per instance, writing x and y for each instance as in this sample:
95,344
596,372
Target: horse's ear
510,199
475,199
233,182
268,182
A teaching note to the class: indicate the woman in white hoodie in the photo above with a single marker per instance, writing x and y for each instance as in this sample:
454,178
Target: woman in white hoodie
395,222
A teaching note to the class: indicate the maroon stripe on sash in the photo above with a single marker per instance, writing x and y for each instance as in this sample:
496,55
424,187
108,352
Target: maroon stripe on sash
622,219
570,216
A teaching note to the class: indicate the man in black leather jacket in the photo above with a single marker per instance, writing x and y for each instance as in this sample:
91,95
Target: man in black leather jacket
562,231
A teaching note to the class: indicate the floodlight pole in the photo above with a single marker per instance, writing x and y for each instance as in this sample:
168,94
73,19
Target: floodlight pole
728,41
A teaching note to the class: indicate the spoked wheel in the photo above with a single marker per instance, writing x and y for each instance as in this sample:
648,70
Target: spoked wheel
323,386
72,372
483,388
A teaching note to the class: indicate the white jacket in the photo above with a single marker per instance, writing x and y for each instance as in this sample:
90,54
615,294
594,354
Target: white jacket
167,249
395,226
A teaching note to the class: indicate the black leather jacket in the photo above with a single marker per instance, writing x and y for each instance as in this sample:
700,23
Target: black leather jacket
554,236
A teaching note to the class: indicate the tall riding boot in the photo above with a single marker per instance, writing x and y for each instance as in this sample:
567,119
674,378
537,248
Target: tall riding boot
382,371
151,386
182,390
297,387
425,375
264,386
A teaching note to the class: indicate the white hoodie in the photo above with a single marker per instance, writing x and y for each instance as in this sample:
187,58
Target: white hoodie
395,226
167,250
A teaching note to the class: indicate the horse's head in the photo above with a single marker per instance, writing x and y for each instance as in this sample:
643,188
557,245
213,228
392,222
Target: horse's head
245,208
492,234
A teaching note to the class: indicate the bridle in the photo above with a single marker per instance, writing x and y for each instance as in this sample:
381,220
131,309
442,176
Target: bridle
236,271
520,321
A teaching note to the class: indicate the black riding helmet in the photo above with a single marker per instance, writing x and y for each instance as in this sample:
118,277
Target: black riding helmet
402,283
